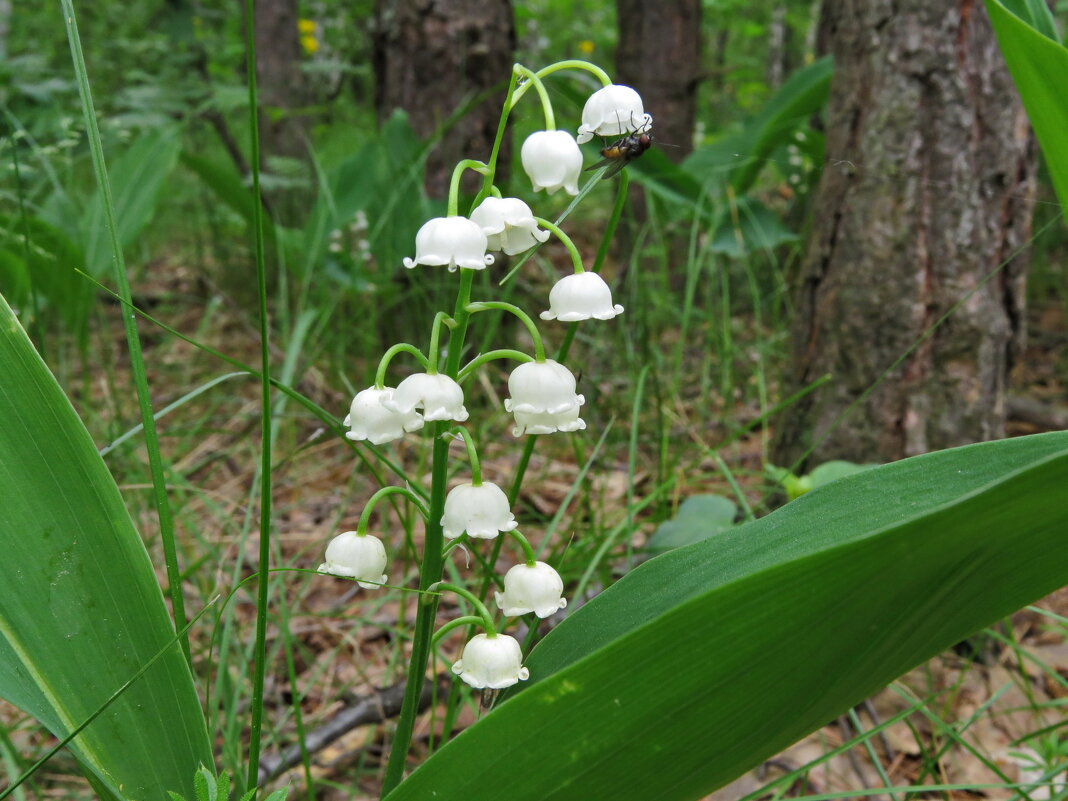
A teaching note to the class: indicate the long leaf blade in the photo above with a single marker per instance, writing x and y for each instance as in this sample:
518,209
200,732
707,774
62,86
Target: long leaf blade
80,608
1038,65
708,659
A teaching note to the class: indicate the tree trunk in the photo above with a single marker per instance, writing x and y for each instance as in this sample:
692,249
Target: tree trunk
280,81
925,203
659,54
432,57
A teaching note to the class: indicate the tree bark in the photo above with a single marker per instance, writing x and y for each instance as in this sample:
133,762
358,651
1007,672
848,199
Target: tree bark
280,81
431,57
925,203
659,54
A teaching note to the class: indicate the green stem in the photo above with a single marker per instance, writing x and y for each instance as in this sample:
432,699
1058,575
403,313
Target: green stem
524,543
435,342
465,620
570,64
480,608
613,221
137,362
485,358
472,454
262,597
454,185
488,176
462,317
387,357
433,557
365,516
539,87
486,305
513,496
576,259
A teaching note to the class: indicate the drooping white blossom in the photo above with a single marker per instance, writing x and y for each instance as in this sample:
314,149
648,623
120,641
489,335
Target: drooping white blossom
553,160
491,662
435,397
508,224
613,110
543,399
450,242
358,556
482,511
370,420
535,588
581,296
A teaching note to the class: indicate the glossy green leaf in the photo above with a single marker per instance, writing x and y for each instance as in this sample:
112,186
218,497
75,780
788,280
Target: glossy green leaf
136,180
1038,65
1036,14
748,226
80,608
699,517
706,660
742,156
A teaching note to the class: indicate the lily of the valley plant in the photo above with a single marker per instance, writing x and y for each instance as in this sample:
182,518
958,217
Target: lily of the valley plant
427,398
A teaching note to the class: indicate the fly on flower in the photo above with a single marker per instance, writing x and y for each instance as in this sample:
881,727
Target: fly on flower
624,150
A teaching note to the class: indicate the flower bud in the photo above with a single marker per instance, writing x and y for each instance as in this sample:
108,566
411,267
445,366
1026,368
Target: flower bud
613,111
452,242
371,421
543,399
553,160
491,663
581,296
508,224
358,556
533,588
439,397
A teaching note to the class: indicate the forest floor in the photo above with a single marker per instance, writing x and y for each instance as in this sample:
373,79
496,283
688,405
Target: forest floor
976,708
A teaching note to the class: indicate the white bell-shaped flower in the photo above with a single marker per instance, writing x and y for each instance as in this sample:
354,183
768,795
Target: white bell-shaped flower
482,511
612,111
362,557
371,421
553,160
508,224
438,396
491,663
581,296
533,588
543,399
452,242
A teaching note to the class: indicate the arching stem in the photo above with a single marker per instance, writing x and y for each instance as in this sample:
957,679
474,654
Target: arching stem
486,305
576,258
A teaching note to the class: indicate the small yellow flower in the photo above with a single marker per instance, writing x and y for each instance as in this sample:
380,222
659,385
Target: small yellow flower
307,27
310,44
586,46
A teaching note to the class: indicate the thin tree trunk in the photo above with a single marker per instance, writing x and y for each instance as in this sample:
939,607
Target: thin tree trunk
434,58
281,83
921,212
659,54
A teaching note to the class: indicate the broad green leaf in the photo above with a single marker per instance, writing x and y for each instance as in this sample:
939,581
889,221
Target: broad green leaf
749,226
796,486
804,94
699,517
136,180
1038,65
1036,14
710,658
53,260
80,608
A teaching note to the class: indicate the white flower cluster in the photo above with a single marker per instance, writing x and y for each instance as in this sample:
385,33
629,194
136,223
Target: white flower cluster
542,393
